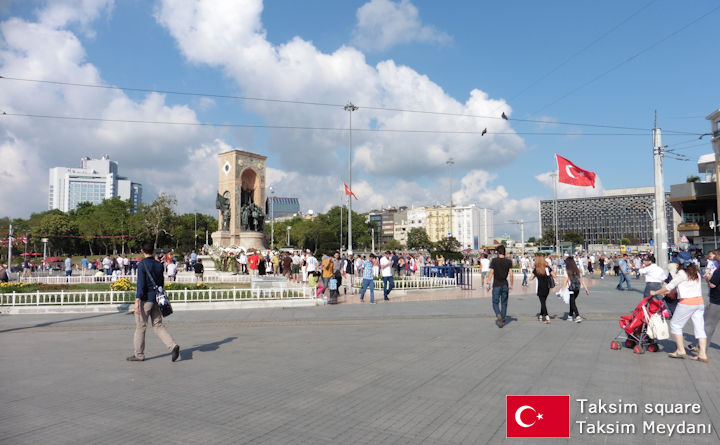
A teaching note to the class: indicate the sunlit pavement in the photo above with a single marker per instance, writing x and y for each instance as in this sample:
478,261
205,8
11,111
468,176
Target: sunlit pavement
435,370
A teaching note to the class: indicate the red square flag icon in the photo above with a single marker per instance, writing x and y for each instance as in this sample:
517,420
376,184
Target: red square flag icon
537,416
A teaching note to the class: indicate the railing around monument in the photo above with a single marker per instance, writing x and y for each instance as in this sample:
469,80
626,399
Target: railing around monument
90,279
412,283
90,297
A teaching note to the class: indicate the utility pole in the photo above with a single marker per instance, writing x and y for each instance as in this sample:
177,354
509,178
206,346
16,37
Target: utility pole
350,107
196,230
272,217
661,235
450,163
372,249
341,240
521,223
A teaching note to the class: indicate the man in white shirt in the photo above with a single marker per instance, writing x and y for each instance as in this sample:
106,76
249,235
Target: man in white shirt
172,270
525,265
654,275
311,262
484,268
107,265
386,272
242,259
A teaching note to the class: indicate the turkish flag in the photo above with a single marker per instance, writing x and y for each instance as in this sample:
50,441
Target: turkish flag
569,173
349,192
537,416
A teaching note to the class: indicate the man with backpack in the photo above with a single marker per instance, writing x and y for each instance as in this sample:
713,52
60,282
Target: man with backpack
624,271
348,272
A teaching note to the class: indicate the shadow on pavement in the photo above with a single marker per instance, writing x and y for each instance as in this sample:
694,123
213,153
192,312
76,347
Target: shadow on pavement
187,354
50,323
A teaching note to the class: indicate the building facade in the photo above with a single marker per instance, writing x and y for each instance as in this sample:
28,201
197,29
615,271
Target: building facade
696,202
281,208
94,181
472,226
610,217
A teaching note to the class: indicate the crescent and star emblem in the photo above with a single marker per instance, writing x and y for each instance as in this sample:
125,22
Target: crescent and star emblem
518,416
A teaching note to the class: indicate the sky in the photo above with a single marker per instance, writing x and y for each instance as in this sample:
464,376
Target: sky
428,78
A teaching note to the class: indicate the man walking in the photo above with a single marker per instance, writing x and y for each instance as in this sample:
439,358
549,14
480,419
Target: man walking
368,279
386,271
149,270
484,268
499,270
348,272
624,271
525,265
68,266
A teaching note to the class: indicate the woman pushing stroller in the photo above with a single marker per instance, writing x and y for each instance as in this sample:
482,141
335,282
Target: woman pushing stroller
690,307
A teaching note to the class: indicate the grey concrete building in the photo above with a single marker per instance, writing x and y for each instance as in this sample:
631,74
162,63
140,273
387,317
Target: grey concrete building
611,216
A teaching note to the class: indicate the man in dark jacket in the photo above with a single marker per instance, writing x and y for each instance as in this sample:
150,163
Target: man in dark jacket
145,306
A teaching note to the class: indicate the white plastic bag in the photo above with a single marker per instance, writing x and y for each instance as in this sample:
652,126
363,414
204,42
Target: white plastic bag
565,295
657,327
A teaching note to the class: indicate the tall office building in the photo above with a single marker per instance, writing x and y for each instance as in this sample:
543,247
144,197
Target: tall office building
472,226
94,181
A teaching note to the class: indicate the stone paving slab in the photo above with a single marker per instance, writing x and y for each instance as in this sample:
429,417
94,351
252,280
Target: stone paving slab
415,372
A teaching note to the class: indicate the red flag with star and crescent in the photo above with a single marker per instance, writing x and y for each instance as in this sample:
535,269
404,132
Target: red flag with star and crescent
537,416
569,173
349,192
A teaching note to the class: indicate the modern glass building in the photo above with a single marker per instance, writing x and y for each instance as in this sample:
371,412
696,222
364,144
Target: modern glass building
280,208
617,213
96,180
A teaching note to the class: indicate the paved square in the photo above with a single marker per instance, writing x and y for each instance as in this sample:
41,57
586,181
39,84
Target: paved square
411,372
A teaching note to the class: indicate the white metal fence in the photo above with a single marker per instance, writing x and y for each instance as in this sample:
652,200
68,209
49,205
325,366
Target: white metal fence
90,297
413,283
211,277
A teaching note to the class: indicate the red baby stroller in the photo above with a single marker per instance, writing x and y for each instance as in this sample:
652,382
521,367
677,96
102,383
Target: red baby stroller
634,327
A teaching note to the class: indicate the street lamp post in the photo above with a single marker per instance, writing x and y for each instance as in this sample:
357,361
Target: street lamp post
288,235
450,163
272,217
350,107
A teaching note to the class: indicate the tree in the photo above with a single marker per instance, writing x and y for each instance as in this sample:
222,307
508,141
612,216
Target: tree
573,237
391,244
418,238
532,240
155,218
625,241
692,178
448,248
548,238
603,241
61,230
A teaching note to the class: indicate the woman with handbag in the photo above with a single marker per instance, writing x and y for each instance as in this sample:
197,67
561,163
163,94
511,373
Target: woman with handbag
545,281
690,307
575,281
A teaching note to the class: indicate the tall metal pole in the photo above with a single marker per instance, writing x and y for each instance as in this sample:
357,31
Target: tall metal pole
450,162
10,243
272,217
372,249
661,235
195,230
341,243
350,107
554,175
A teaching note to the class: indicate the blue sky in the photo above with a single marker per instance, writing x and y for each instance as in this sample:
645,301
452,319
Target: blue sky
419,55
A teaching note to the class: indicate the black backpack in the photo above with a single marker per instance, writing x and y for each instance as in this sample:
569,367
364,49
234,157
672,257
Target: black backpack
574,283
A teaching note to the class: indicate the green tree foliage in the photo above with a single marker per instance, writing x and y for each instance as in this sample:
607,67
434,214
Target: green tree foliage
391,244
155,218
573,237
448,248
62,228
548,238
532,239
418,239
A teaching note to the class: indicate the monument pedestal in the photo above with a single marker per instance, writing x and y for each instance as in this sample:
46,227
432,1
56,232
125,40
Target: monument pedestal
251,240
222,238
247,240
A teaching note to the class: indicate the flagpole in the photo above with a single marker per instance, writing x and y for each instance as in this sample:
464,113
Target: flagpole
554,175
350,107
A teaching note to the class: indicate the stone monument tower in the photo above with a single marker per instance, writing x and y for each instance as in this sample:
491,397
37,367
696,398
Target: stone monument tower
240,200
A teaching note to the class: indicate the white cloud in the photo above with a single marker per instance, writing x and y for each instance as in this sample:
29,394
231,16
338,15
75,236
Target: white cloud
382,24
229,35
158,156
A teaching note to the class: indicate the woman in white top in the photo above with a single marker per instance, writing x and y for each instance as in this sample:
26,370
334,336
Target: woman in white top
690,307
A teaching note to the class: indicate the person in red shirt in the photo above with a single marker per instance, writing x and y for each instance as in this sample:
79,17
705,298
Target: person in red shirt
253,262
